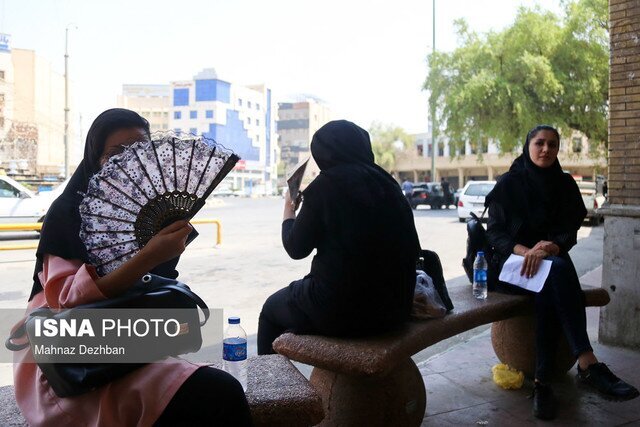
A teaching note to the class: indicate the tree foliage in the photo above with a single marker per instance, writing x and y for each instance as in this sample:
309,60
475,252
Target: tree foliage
541,69
384,142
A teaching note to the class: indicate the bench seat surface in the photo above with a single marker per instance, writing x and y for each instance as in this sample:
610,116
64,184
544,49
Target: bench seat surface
277,392
379,354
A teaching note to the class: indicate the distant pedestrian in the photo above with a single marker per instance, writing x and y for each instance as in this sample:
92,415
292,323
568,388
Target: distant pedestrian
605,189
446,190
407,189
354,216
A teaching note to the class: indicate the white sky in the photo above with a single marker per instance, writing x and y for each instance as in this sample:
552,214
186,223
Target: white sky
365,57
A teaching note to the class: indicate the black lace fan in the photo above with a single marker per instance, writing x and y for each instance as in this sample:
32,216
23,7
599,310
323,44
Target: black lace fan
145,188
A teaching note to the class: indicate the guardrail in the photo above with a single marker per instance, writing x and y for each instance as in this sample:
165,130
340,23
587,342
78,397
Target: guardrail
38,226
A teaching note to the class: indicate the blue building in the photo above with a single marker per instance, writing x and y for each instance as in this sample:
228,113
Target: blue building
241,118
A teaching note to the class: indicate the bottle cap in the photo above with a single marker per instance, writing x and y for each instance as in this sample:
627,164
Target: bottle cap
234,320
480,253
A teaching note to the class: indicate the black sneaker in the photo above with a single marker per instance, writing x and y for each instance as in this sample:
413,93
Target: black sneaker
602,379
544,404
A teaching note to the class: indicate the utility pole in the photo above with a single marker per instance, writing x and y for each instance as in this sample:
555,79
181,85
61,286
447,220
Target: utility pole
66,100
433,103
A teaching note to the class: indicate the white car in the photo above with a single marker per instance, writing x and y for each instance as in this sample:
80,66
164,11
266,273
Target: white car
592,201
18,204
472,198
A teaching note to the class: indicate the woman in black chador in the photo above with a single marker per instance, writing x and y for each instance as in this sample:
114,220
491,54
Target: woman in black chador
535,211
354,214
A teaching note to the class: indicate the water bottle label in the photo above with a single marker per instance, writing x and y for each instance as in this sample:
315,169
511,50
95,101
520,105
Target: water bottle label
234,350
480,276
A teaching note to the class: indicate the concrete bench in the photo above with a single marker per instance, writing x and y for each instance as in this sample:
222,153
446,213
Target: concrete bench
278,394
373,381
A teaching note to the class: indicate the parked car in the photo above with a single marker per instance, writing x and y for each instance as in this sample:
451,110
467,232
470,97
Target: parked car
19,204
427,193
592,201
472,198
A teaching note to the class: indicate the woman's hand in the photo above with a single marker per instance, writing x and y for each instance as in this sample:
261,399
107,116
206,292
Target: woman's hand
289,207
532,260
547,246
169,243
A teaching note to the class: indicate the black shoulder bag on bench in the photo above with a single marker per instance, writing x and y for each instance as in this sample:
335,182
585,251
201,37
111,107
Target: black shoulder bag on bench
151,292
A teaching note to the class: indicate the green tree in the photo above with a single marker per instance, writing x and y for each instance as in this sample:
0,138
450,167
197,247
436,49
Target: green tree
384,138
541,69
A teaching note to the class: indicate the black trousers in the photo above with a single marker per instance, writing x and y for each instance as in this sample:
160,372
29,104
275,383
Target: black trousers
209,397
558,307
277,317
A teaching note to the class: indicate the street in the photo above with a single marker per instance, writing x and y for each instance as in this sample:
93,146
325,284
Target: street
251,263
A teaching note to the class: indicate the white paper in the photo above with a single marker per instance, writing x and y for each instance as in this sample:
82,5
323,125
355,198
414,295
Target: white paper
511,274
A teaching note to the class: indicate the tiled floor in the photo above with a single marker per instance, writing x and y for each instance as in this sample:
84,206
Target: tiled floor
460,391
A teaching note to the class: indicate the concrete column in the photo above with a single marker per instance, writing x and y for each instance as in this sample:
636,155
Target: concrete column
461,182
490,173
619,321
415,175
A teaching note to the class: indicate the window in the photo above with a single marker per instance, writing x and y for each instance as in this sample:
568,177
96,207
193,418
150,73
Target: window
177,130
1,74
177,115
193,114
248,104
257,106
577,145
193,131
165,114
239,102
1,122
248,120
257,138
257,122
209,114
7,190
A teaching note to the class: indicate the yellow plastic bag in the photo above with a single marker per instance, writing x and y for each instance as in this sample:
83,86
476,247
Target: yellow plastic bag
507,377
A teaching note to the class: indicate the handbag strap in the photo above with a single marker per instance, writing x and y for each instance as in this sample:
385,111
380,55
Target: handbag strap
21,330
484,211
188,292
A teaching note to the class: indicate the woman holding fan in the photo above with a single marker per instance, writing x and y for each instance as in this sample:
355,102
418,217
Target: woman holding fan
155,394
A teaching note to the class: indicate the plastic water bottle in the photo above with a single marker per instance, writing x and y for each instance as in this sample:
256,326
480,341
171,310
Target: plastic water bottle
480,276
234,351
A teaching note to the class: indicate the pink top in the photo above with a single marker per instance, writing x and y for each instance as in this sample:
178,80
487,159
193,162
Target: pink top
136,399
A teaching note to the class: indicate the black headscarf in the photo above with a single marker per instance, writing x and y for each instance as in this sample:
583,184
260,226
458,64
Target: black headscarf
546,198
343,153
368,198
60,235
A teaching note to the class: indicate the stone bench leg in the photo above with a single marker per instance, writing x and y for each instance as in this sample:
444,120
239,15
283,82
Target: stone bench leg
397,398
514,343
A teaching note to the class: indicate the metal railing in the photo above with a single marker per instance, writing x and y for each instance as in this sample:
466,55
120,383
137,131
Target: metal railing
38,226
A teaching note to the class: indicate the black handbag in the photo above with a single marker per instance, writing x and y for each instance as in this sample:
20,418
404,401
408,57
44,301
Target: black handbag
151,292
476,241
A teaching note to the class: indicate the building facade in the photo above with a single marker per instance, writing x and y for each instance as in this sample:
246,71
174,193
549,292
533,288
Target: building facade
31,114
460,166
297,122
619,320
241,118
152,102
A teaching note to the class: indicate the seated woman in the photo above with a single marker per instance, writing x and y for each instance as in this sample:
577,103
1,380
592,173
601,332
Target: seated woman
156,394
535,211
354,214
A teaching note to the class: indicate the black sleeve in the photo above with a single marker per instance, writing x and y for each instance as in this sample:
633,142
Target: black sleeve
566,240
498,234
299,234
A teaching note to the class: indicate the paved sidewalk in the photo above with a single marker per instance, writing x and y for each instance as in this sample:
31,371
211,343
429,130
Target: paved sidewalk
461,391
